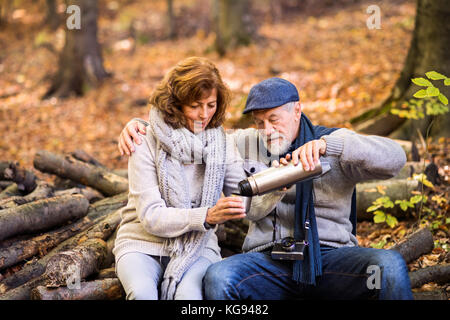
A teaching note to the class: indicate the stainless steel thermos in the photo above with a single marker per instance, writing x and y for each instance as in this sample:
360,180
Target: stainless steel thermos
279,177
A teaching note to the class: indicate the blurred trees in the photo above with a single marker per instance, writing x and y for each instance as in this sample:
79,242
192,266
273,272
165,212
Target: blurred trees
231,24
80,61
52,17
429,51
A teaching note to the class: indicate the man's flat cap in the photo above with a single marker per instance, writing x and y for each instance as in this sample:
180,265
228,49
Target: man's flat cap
270,93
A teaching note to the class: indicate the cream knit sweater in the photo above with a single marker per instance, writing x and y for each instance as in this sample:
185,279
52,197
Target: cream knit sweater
147,221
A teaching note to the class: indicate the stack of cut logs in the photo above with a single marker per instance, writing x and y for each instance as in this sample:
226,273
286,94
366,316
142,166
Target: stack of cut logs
61,234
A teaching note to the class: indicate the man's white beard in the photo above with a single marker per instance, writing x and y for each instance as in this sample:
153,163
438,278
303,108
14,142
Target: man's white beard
280,146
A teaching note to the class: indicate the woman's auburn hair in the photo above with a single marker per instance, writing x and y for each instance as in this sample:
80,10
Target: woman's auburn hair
189,81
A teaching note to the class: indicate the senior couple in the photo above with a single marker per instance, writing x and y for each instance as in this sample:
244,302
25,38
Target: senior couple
166,246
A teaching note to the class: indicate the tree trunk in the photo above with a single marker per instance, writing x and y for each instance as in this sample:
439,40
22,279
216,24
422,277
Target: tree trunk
41,215
439,274
66,167
415,245
231,24
105,289
429,51
172,32
52,19
80,62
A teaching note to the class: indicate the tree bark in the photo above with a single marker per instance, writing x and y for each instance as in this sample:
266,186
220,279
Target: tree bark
42,190
439,274
41,215
11,191
429,51
52,18
76,264
396,189
105,218
105,289
80,62
415,245
91,194
86,157
98,178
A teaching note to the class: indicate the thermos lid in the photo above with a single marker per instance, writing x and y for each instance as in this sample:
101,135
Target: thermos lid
245,189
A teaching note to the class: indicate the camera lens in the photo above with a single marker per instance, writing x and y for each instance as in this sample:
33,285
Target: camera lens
288,243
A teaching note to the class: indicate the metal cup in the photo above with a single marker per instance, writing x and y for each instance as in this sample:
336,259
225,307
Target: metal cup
247,201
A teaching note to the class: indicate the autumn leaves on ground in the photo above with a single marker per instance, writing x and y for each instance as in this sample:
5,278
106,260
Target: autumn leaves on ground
340,67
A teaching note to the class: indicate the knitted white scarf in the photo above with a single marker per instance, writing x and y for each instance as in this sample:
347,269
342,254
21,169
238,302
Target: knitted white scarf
176,147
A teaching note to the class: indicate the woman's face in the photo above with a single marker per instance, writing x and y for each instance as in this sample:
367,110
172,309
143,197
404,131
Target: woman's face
199,113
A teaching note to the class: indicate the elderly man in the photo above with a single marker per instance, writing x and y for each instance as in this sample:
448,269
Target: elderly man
319,213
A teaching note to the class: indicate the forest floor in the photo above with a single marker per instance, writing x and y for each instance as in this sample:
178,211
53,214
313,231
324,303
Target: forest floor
340,67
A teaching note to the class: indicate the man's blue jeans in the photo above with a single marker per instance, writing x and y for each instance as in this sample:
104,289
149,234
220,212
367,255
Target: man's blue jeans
347,273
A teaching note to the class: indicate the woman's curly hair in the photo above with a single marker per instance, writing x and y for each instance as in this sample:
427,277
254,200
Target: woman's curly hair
189,81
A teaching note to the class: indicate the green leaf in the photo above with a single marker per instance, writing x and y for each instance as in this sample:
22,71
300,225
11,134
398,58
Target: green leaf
433,91
372,208
421,94
378,245
404,204
447,82
443,99
433,75
416,199
379,216
421,82
391,221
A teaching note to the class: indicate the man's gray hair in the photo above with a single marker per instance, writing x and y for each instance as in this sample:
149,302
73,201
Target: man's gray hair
289,106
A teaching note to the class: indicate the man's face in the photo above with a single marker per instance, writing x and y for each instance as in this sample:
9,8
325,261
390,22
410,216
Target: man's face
278,127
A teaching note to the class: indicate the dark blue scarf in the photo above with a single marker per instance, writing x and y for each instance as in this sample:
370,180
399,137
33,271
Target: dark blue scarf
305,271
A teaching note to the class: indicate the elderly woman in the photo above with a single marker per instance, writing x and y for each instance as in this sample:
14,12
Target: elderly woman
167,238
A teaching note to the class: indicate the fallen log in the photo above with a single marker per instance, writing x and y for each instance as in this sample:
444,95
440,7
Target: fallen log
416,244
5,183
10,191
41,215
107,273
17,285
91,194
439,274
3,166
41,244
76,264
98,178
25,179
86,157
104,289
396,189
431,295
42,190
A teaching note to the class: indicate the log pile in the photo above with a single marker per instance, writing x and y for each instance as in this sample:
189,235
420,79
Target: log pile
56,237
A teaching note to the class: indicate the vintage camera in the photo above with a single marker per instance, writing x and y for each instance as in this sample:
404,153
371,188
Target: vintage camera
288,249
